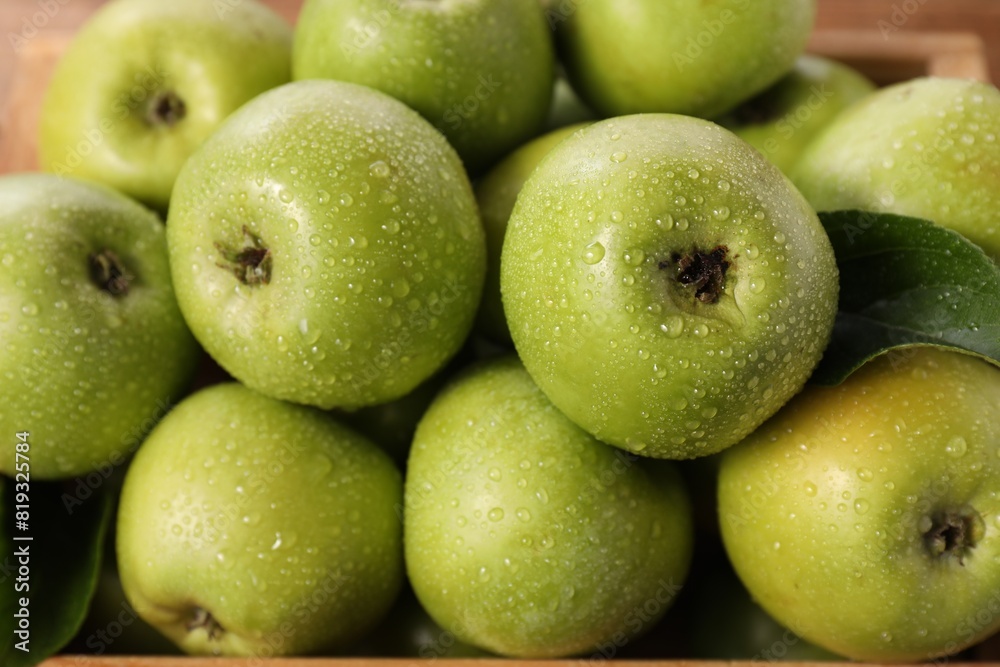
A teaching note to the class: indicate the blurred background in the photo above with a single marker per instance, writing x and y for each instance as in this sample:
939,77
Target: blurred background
888,17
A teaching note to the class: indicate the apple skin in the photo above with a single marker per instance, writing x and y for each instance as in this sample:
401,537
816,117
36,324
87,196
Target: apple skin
496,194
678,56
593,286
95,122
375,251
527,537
481,71
271,517
826,510
928,148
781,121
87,365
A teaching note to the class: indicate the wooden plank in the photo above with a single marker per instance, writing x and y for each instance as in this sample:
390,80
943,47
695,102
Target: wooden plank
906,55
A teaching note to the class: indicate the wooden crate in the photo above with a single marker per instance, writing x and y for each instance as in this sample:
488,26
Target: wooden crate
905,56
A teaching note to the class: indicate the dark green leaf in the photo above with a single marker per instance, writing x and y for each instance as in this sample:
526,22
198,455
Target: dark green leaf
64,558
907,282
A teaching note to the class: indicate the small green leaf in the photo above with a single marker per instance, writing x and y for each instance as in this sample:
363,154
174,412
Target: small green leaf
906,282
64,558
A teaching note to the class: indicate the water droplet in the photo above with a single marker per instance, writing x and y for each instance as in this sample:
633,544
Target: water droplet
495,474
957,447
523,514
865,474
495,514
673,327
379,169
593,253
757,285
810,489
619,157
861,506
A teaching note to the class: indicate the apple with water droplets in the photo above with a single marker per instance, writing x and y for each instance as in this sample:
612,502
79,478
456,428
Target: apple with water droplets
249,526
481,71
527,537
868,515
665,285
928,148
326,247
693,57
145,83
95,348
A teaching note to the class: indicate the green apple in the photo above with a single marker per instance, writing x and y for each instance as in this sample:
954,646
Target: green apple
527,537
868,514
95,348
249,526
145,82
496,193
480,70
665,285
928,148
781,121
678,56
326,246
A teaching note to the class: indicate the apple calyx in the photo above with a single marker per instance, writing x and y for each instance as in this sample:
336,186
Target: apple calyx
203,620
165,109
954,533
704,271
109,273
251,264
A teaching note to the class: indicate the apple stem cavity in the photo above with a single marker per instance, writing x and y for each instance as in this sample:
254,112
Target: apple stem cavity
953,533
251,264
704,271
109,273
203,620
166,109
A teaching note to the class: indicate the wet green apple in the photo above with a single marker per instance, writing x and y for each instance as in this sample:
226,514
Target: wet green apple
868,514
480,70
928,148
781,121
326,246
678,56
95,348
527,537
665,285
249,526
144,83
496,194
